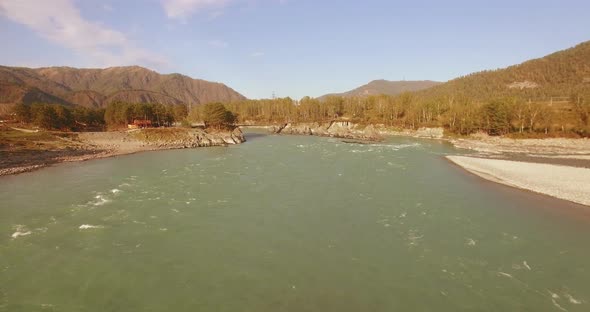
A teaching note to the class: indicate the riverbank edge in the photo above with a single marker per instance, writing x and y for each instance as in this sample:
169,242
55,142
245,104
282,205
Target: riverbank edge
564,193
483,144
129,144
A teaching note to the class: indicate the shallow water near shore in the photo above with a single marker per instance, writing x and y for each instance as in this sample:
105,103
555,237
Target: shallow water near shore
286,223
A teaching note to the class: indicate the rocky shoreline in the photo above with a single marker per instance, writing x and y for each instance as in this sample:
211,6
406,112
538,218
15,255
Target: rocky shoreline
351,130
95,145
482,144
342,129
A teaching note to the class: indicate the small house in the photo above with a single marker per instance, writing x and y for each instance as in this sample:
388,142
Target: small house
140,123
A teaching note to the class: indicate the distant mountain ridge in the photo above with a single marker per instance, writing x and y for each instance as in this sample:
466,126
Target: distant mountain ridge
377,87
98,87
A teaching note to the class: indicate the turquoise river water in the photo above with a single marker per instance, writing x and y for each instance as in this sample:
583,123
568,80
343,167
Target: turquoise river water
287,223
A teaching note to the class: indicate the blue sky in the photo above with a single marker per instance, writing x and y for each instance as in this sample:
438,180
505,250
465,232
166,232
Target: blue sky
290,47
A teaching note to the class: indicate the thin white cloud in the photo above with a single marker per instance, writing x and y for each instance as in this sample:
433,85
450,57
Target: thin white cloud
257,54
60,22
182,9
218,44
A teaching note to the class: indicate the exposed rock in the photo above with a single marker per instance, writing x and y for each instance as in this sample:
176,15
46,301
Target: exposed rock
433,133
186,138
276,128
17,170
338,129
523,85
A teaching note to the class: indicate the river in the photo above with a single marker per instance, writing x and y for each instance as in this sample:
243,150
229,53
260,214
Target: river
287,223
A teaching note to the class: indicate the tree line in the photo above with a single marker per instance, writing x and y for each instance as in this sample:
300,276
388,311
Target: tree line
456,112
119,114
115,115
214,115
59,117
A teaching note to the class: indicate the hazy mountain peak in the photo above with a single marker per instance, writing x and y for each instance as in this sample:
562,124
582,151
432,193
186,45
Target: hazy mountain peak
382,86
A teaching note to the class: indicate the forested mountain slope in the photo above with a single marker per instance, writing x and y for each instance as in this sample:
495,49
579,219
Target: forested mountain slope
556,75
378,87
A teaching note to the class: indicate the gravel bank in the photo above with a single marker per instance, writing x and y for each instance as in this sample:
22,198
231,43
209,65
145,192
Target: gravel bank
569,183
19,158
557,147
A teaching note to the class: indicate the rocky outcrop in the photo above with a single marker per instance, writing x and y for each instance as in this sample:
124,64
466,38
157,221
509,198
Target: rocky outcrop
188,138
424,132
431,133
337,129
523,85
350,130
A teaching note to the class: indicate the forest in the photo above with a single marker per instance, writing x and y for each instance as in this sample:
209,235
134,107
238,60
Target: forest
115,115
457,113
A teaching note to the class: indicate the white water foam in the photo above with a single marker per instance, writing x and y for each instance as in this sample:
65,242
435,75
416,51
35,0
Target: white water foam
384,222
557,305
100,200
413,237
505,274
88,226
20,230
572,299
18,234
526,265
364,148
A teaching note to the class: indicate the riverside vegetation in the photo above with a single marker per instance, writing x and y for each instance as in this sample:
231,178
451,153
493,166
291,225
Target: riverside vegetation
70,134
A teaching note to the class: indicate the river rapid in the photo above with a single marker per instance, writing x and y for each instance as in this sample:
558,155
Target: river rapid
287,223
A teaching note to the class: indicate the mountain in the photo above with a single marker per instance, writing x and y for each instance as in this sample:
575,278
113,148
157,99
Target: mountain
98,87
558,74
378,87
